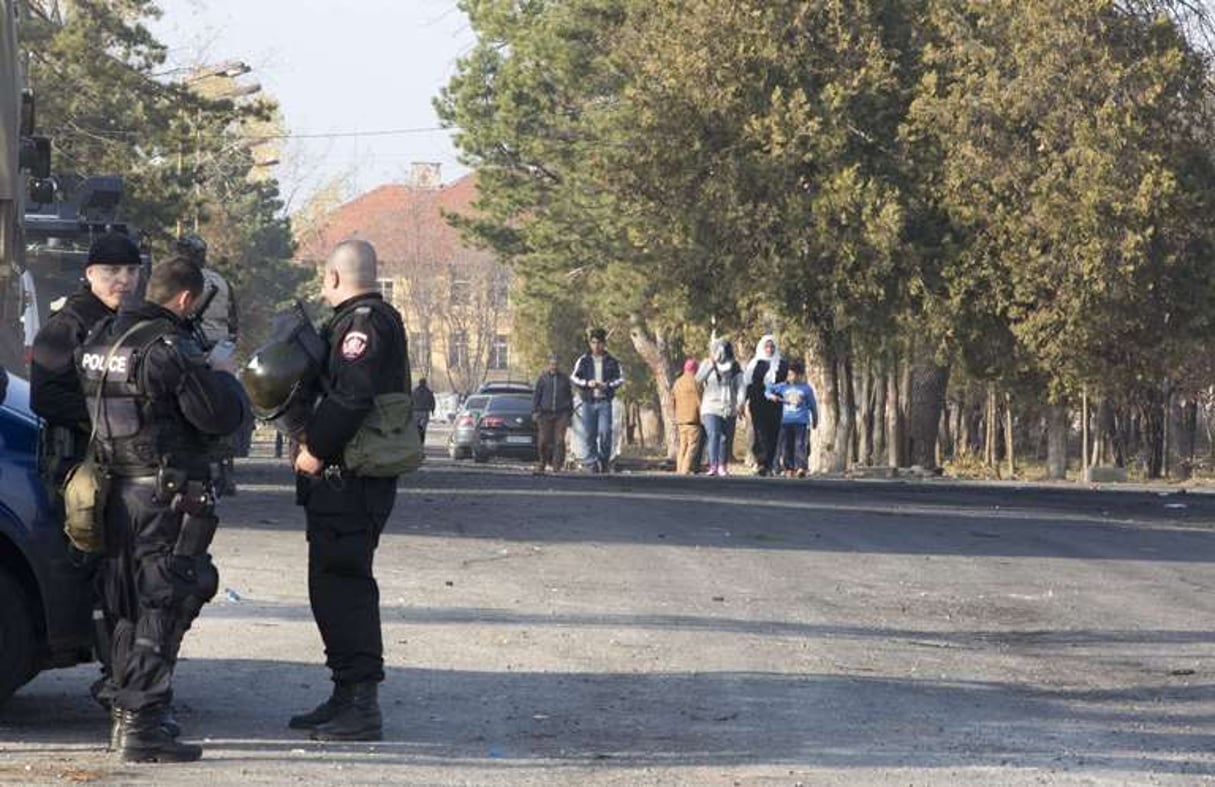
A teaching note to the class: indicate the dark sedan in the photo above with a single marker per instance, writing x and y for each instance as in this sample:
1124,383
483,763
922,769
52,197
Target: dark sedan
506,429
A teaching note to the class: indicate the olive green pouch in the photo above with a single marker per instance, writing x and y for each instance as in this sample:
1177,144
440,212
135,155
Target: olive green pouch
388,443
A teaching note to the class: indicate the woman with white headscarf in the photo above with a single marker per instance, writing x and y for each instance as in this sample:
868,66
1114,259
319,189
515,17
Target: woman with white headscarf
766,367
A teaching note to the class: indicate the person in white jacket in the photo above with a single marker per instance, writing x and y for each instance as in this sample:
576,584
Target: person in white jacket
721,402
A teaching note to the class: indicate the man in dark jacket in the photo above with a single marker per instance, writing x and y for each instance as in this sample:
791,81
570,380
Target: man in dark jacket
164,412
112,275
345,512
423,406
597,374
552,406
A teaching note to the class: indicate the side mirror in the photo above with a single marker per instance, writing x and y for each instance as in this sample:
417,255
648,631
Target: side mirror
35,156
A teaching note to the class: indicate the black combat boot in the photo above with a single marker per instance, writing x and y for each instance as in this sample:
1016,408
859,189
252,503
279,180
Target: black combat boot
360,720
117,729
168,720
144,739
338,699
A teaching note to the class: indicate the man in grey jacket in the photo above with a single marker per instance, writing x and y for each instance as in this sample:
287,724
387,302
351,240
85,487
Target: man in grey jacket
552,406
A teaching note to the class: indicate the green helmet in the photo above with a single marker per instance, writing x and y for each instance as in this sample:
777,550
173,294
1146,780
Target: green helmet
280,374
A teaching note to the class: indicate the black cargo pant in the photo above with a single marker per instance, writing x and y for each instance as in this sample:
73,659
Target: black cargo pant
345,517
151,595
765,432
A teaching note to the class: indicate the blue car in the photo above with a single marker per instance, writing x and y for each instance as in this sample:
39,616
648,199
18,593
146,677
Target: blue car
45,604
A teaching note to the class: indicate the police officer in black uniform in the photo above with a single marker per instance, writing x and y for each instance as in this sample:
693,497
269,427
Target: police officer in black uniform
163,411
346,513
112,275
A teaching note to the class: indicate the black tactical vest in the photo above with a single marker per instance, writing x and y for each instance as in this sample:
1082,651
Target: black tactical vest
135,432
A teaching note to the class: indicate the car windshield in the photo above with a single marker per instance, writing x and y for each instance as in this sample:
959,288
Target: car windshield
475,403
509,404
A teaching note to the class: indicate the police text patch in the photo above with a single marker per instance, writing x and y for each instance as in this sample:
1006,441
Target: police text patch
94,363
354,345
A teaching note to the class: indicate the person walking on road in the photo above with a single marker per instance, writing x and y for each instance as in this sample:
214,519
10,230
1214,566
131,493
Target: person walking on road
687,416
721,403
346,512
799,415
765,368
552,406
423,406
162,412
597,375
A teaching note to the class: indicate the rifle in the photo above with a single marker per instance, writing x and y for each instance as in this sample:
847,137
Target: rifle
195,319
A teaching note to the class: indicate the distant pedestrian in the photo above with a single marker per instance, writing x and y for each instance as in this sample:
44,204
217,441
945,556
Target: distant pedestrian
423,406
552,407
799,415
687,416
597,374
721,402
765,368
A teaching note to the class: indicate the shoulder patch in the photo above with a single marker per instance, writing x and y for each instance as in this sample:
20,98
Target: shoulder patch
354,344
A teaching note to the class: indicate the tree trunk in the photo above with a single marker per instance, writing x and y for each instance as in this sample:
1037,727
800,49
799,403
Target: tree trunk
654,351
1010,446
845,427
1153,415
868,406
822,370
879,415
1183,434
929,381
1057,429
989,440
895,425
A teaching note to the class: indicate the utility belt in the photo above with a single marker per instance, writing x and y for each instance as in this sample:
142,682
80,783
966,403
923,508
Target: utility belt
168,481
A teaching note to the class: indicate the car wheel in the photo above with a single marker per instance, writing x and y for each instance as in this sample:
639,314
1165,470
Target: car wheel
480,458
17,636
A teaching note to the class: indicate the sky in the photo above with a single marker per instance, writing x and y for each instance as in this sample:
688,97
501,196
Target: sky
354,79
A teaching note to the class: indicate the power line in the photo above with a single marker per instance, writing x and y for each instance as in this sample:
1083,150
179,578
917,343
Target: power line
337,134
259,137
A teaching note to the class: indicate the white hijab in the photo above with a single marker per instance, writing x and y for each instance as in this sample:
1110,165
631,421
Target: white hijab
761,354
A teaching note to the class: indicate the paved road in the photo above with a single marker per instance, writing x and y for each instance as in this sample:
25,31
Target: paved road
650,629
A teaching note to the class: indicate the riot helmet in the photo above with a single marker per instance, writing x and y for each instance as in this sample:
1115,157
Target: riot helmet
193,247
280,374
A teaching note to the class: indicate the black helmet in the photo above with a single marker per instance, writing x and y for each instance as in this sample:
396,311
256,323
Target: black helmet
280,373
193,247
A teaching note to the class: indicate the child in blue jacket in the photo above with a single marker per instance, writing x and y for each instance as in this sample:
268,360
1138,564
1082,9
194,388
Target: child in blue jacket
800,415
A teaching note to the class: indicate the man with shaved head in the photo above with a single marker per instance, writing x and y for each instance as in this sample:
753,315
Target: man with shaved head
346,512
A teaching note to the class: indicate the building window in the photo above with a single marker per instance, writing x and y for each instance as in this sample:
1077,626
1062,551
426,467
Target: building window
457,350
461,287
387,288
499,290
419,350
499,355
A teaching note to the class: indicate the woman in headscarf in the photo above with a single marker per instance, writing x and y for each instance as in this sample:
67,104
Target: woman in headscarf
766,368
721,400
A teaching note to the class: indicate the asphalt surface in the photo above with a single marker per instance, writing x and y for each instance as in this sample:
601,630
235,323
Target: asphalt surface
649,629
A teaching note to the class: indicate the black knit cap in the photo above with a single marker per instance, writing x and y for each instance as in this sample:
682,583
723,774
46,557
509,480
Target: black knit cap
113,248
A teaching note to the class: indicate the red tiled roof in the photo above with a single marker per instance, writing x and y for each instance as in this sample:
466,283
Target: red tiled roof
405,224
